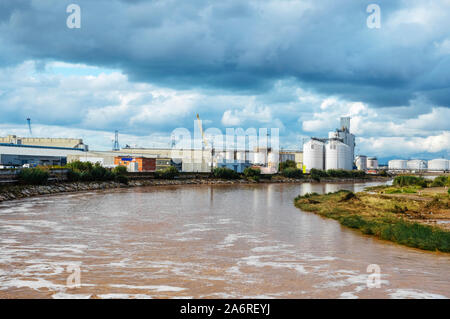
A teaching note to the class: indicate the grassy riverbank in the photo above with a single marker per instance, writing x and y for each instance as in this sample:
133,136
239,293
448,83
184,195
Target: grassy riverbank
410,221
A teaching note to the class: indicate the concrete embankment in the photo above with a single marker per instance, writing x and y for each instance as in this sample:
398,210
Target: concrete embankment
23,191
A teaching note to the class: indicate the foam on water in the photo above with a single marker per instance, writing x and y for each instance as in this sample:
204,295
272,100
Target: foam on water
160,288
413,294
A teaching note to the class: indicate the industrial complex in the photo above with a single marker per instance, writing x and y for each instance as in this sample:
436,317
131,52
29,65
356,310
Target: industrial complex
337,151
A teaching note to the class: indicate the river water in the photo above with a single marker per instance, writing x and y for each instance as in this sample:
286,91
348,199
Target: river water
202,242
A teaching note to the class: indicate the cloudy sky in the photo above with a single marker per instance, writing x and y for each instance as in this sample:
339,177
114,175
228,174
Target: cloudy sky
147,67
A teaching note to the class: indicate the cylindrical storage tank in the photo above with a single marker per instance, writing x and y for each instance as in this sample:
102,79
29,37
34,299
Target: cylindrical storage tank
438,164
372,163
313,155
337,155
416,165
361,162
397,165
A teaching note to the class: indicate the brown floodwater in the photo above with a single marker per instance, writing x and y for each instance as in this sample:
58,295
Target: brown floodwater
201,242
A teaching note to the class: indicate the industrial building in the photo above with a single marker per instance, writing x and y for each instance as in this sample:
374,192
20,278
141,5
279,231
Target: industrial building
335,152
136,164
291,155
49,142
237,166
19,155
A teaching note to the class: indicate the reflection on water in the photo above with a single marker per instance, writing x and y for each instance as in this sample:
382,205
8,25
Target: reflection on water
203,242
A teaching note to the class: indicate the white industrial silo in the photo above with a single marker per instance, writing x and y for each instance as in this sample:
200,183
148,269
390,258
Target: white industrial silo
416,165
337,155
361,162
397,165
372,163
438,164
313,154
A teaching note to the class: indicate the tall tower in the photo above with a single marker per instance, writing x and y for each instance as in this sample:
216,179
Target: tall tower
29,126
116,146
345,124
343,133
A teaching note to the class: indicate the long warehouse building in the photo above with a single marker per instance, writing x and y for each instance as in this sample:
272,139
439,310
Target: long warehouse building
19,155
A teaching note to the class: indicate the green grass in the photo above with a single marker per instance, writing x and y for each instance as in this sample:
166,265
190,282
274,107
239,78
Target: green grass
402,190
379,223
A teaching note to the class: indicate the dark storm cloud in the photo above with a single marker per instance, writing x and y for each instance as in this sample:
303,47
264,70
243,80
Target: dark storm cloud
243,46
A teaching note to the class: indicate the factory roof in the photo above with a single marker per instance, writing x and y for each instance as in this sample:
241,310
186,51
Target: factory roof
45,147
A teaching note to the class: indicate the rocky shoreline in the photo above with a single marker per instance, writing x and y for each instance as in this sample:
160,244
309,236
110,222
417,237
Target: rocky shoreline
23,191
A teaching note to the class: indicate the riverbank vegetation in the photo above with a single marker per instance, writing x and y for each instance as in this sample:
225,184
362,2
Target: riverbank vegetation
419,221
409,184
33,176
317,174
87,172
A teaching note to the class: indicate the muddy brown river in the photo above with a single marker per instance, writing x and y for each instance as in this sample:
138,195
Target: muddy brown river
201,242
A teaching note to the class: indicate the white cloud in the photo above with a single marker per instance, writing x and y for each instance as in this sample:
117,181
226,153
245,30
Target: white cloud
402,146
92,106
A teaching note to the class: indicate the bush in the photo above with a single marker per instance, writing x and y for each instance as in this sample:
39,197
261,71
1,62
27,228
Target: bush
441,181
78,166
291,172
252,173
119,173
407,180
121,179
119,170
167,173
383,173
226,173
88,172
317,174
33,176
73,176
287,164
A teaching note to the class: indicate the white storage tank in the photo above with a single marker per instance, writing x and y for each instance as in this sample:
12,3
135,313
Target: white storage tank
416,165
397,165
337,155
438,164
313,154
361,162
372,163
